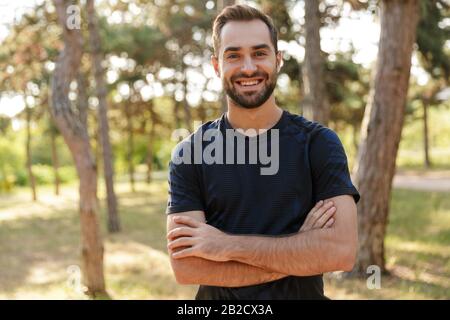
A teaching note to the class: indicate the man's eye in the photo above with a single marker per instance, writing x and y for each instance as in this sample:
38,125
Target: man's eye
232,56
260,54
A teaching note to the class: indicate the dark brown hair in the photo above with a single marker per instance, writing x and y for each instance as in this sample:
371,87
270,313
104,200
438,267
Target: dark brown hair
240,12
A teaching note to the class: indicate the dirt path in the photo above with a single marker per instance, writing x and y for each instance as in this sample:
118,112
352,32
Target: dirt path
413,180
425,181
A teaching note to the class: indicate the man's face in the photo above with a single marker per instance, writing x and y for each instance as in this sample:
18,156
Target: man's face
247,63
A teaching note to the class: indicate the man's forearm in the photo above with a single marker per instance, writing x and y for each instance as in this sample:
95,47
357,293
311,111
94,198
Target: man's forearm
303,254
195,270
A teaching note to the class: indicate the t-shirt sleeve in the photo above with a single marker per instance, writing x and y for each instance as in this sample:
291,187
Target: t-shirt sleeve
330,174
184,184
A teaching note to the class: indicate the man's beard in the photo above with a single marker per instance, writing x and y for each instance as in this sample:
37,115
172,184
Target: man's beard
251,100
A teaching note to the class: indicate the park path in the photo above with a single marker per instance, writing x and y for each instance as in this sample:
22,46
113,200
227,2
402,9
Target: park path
424,181
413,180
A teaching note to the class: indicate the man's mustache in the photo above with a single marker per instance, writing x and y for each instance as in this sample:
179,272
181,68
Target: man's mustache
245,76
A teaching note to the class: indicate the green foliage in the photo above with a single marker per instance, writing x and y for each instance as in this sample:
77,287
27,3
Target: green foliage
11,164
45,175
432,35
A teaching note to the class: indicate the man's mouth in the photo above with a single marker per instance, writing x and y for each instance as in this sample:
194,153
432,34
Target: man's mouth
250,83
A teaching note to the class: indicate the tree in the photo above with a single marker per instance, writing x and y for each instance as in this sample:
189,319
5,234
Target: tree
151,138
222,4
55,158
108,168
382,126
315,104
431,39
28,151
77,139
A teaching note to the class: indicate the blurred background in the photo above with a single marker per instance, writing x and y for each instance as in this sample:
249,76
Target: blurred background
134,71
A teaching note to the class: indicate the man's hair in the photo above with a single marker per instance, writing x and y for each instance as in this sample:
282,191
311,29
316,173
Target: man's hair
240,12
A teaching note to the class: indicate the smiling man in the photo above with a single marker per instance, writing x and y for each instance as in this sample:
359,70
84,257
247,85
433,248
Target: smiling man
234,231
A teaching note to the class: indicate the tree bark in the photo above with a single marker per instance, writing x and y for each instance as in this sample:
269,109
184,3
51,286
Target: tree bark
355,131
82,99
381,128
108,168
76,137
176,109
31,176
426,146
55,161
186,107
315,104
130,150
221,4
150,143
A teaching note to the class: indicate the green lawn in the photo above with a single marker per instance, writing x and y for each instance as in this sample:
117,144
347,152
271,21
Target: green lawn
39,245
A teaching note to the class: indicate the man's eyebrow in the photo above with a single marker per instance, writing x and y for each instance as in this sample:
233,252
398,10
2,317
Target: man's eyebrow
232,49
257,47
261,46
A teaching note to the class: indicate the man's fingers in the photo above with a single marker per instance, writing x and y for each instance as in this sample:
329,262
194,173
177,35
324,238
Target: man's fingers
179,232
181,242
188,252
307,224
319,212
317,206
329,223
320,223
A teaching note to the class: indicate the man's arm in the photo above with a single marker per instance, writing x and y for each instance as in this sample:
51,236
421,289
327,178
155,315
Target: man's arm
305,253
195,270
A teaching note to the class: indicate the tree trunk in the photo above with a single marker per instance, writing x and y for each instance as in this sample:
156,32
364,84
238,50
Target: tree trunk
381,128
176,109
55,161
76,136
426,146
82,98
315,104
202,112
31,177
130,150
108,168
221,4
150,143
355,141
186,107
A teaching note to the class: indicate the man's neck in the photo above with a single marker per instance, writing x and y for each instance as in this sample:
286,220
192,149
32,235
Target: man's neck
263,117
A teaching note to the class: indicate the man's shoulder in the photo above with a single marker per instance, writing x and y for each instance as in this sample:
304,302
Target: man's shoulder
189,140
307,130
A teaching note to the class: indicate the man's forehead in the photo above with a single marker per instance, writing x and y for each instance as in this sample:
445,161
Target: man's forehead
244,34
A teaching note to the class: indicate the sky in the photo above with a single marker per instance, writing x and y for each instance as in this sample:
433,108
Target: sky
357,29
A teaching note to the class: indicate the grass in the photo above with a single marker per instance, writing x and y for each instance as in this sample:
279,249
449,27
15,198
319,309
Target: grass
39,248
417,251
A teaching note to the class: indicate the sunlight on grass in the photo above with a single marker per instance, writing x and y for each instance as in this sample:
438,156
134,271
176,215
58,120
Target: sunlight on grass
40,241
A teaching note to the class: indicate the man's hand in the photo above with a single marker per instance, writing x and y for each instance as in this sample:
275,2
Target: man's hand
197,239
321,216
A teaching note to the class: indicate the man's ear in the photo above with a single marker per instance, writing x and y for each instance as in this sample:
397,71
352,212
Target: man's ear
215,63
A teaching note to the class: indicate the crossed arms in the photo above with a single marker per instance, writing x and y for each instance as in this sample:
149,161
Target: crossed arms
202,254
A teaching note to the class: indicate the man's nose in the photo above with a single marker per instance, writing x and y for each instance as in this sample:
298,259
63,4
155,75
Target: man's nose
248,67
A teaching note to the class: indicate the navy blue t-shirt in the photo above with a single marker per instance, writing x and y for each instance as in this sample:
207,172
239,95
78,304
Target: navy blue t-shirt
238,199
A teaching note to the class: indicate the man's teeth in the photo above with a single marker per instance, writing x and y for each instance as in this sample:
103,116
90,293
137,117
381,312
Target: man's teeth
249,83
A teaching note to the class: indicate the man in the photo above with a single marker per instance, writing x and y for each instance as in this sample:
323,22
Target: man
241,233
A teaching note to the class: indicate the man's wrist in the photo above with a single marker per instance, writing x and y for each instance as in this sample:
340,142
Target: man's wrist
232,245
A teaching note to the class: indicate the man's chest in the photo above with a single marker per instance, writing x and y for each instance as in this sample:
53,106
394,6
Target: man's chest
229,185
